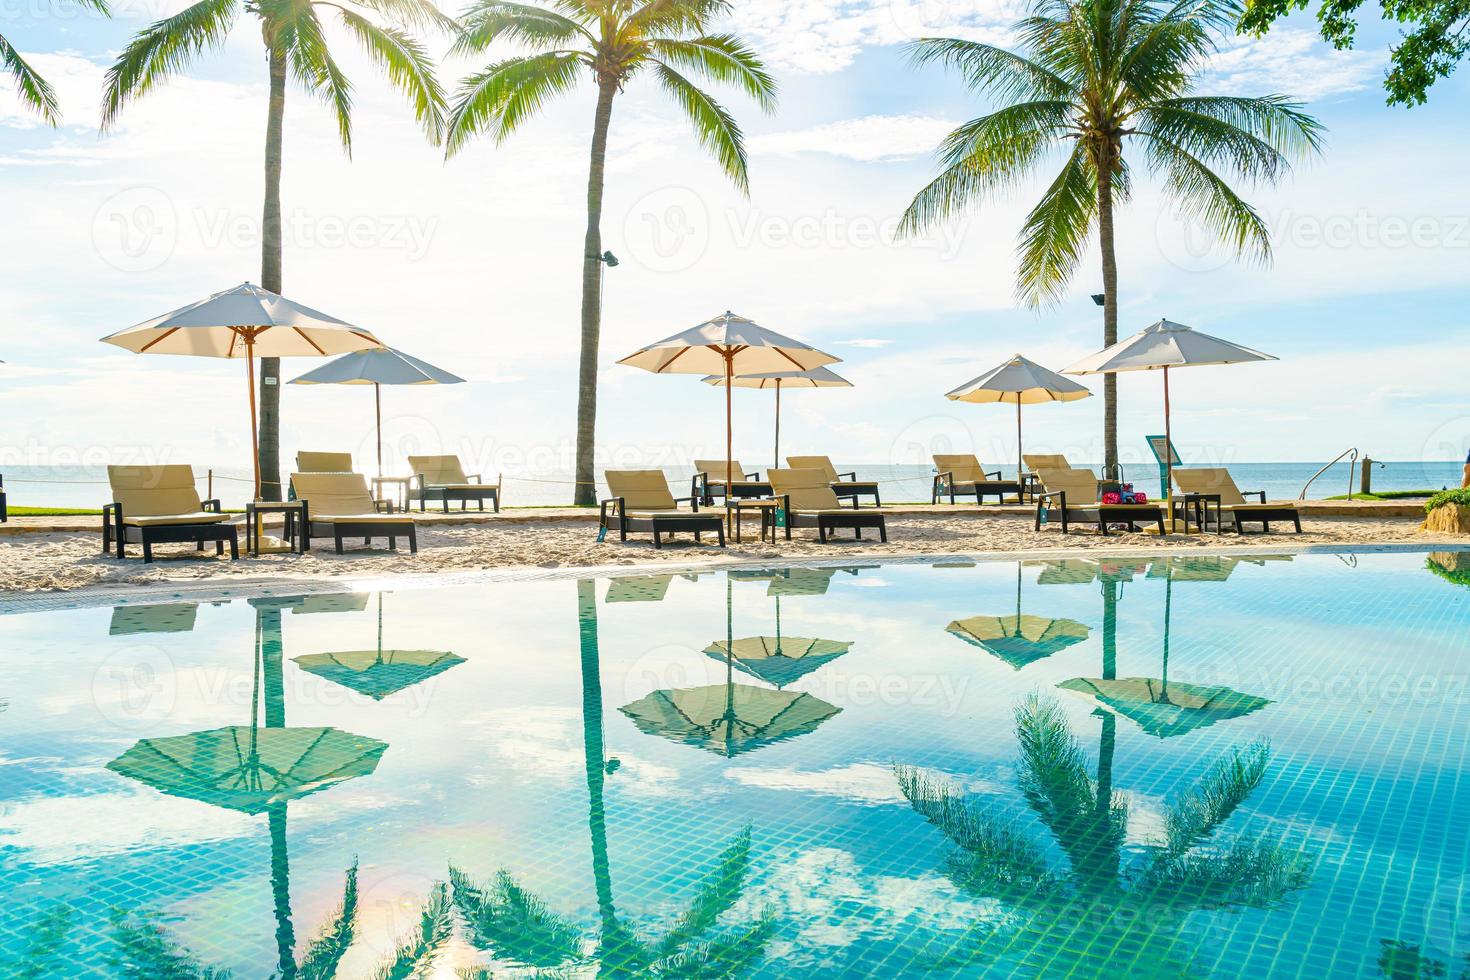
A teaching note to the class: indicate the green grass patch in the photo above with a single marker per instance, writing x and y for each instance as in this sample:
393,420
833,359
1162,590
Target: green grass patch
1459,576
1461,497
1390,495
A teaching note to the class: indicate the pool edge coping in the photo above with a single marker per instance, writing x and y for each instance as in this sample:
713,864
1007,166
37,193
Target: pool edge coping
256,587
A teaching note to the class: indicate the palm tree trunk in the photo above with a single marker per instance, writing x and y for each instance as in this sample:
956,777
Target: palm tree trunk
1110,308
594,751
270,278
586,490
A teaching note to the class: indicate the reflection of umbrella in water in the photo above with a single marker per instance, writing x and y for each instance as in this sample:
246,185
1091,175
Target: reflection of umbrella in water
378,673
728,718
1019,640
245,768
638,588
256,769
1161,709
170,617
778,659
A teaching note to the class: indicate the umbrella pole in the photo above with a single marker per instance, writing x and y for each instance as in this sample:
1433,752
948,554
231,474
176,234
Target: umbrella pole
1169,459
378,411
729,430
254,425
777,463
1020,453
1168,616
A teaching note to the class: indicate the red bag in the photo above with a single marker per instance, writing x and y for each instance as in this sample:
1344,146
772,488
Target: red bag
1112,498
1140,498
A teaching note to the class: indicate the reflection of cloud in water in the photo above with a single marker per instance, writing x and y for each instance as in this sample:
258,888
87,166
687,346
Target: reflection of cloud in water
547,741
860,782
62,829
825,901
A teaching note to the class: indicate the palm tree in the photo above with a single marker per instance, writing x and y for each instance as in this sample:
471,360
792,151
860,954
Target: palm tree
1093,77
1134,906
34,92
612,41
295,47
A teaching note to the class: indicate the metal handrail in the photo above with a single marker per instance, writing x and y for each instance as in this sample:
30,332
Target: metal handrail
1352,469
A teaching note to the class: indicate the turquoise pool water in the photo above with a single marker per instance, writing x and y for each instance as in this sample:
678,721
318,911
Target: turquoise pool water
1205,767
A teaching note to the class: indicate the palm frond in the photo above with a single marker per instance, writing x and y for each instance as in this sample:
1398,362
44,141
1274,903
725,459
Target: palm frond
719,891
415,955
1204,196
1275,120
985,156
1170,47
421,14
498,99
504,918
1053,241
407,66
162,49
314,68
325,952
673,17
535,28
732,955
721,58
994,857
44,938
144,951
716,129
1211,801
994,71
1053,768
1254,873
1215,142
34,91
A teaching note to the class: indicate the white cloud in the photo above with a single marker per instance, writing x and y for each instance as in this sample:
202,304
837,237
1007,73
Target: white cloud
1290,62
867,139
820,36
866,343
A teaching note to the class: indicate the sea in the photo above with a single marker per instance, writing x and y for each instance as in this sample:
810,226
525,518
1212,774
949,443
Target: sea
86,486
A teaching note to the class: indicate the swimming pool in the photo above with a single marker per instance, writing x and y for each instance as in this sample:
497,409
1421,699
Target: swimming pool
1212,766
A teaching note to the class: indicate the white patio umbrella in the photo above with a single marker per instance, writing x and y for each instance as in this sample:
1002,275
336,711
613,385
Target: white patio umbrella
383,366
1161,347
815,378
246,321
1019,382
728,345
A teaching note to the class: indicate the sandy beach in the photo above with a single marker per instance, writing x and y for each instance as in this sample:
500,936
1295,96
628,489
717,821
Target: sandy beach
73,559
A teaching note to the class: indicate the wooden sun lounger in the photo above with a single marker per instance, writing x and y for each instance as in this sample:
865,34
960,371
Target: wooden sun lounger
963,476
310,462
1071,495
1217,482
709,481
846,485
642,501
160,505
340,506
442,478
808,500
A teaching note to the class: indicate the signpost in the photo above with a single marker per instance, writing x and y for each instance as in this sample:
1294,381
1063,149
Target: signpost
1167,457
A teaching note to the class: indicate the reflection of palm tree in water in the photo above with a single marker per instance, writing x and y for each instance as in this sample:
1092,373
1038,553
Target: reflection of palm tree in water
144,948
1105,908
512,924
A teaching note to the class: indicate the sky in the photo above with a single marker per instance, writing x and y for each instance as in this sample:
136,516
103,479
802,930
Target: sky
474,264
